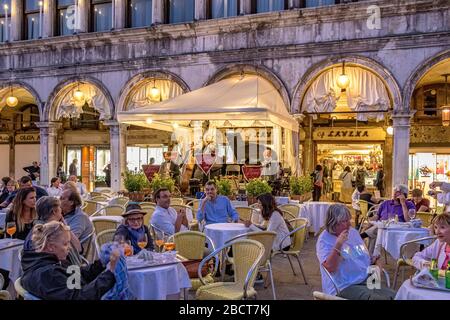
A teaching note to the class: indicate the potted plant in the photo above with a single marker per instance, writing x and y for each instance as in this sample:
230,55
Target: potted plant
135,183
256,187
160,182
100,181
224,188
301,188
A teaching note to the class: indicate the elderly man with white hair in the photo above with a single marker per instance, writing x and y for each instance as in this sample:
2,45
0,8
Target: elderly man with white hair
81,187
342,252
398,206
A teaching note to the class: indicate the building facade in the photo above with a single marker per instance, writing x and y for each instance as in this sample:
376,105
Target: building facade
117,51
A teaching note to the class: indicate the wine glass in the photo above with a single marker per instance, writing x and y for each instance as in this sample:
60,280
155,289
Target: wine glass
142,241
160,239
11,228
412,213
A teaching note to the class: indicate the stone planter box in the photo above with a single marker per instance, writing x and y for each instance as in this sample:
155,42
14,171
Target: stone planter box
301,197
137,196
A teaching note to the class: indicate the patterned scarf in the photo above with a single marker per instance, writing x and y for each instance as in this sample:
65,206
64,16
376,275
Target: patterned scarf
135,235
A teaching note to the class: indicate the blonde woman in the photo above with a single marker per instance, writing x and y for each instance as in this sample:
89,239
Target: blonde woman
23,212
46,276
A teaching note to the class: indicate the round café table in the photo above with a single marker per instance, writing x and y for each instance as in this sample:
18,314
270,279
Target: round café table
222,232
316,213
9,257
409,292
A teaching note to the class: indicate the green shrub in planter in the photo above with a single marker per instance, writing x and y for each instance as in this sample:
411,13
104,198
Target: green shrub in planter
300,185
160,182
224,187
135,182
258,186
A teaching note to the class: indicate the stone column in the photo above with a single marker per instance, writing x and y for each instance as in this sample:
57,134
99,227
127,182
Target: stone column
277,142
200,10
387,165
118,145
400,159
49,18
246,7
158,11
16,20
83,20
48,143
308,151
120,14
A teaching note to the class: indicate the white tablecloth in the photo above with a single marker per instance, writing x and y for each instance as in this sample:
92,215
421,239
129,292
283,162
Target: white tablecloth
222,232
156,283
316,213
237,203
391,239
281,200
2,219
9,257
408,292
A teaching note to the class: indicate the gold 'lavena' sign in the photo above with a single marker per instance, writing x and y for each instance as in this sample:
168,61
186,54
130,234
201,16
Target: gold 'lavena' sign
349,134
27,137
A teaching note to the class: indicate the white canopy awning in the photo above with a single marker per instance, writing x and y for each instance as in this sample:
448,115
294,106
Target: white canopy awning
248,98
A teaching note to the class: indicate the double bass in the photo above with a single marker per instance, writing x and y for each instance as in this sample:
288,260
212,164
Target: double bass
187,171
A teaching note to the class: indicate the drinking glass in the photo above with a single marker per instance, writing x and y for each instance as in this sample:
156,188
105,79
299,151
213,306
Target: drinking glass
412,213
11,229
128,248
391,216
142,241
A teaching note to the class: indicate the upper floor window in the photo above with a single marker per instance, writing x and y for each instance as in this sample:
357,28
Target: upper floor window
319,3
270,5
27,117
33,15
101,15
65,17
224,8
181,11
5,20
139,13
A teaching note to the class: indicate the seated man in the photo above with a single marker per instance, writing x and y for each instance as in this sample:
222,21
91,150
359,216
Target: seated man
397,207
215,208
24,182
81,187
166,218
76,219
422,204
342,252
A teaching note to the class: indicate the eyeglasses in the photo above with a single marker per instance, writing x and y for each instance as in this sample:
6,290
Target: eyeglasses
135,219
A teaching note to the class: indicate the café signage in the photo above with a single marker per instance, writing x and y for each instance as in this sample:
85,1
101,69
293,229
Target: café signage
4,138
349,134
27,137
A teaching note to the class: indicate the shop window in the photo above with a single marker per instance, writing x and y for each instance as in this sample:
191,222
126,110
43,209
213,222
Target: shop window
180,10
65,17
74,153
223,8
5,20
32,19
102,158
138,156
139,13
270,5
27,117
101,15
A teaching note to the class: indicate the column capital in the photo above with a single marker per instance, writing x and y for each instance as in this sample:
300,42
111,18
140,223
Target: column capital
115,125
402,118
48,125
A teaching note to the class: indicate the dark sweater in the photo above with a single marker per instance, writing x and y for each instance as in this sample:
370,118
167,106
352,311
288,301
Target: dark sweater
20,234
45,277
123,231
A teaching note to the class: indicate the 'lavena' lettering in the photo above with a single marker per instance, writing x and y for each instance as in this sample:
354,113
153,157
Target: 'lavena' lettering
348,133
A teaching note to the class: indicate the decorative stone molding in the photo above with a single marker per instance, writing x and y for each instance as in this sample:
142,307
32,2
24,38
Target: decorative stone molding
430,134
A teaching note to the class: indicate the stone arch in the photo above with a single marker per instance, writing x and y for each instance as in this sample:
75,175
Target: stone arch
135,80
30,89
418,73
382,72
51,108
263,71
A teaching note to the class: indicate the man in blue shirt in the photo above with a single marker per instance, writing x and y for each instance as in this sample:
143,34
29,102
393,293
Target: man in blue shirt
215,208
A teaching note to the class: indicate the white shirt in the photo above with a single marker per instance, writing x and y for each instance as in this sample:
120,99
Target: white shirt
165,219
54,192
277,225
81,187
355,200
352,268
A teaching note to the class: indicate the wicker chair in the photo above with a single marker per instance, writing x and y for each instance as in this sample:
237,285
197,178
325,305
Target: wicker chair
21,292
122,201
102,224
194,204
297,240
293,209
245,213
104,237
90,207
110,210
426,217
287,215
176,201
149,208
101,198
323,296
406,257
266,238
247,258
191,245
86,244
189,213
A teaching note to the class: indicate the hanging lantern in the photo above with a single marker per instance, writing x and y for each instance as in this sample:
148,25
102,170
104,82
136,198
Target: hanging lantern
343,80
155,93
11,100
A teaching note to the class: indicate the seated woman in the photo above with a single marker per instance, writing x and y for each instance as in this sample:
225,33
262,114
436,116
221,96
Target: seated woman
133,228
276,223
49,209
46,276
23,212
9,185
343,253
439,249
